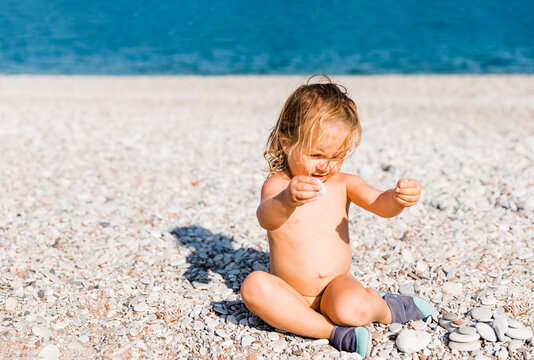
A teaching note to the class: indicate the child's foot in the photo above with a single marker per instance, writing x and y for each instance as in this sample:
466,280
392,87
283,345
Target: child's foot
352,339
405,308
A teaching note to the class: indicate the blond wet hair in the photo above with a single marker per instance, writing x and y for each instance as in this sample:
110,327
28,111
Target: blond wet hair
302,117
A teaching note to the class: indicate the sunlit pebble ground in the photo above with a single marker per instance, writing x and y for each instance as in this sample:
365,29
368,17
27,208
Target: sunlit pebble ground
97,172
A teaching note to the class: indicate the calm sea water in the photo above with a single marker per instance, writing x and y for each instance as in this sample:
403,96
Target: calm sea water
265,37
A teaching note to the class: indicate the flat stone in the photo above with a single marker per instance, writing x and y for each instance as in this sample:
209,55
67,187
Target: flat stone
450,316
500,326
513,323
320,342
467,330
419,325
488,300
221,333
515,344
486,332
410,341
457,337
11,303
49,352
395,327
471,346
481,314
273,336
279,345
407,289
519,334
446,325
140,306
247,340
41,331
503,354
453,288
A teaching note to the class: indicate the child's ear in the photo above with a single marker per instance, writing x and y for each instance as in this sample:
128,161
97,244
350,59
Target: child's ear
284,142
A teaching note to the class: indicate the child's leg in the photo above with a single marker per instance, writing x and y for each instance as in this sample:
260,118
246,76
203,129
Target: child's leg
283,307
348,303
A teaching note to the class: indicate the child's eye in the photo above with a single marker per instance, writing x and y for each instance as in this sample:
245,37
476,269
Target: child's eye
316,155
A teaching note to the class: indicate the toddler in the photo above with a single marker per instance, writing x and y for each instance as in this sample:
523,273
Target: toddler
309,290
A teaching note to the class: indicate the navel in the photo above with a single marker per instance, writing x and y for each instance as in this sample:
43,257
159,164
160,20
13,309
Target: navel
322,274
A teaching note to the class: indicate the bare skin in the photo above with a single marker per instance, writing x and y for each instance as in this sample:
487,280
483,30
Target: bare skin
309,288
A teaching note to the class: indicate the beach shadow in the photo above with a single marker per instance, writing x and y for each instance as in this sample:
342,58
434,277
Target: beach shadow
215,253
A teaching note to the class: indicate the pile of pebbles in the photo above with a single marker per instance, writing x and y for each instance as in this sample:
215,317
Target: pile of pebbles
493,327
127,214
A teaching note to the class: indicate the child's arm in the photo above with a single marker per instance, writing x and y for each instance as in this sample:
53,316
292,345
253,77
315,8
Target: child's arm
279,199
383,203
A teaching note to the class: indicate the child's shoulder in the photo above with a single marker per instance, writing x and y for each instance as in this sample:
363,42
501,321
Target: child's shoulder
274,184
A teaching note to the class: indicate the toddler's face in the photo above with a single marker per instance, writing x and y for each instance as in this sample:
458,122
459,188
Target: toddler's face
322,161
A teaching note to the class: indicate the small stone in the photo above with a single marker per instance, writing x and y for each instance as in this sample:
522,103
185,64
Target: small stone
145,281
407,289
471,346
450,316
279,345
11,303
254,321
515,344
486,332
320,342
419,325
41,331
457,323
49,352
395,327
410,341
519,334
273,336
481,314
513,323
446,325
500,326
221,333
488,300
246,340
453,288
467,330
463,338
140,306
83,339
503,354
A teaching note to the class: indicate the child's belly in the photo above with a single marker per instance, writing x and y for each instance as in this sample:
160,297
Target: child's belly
309,264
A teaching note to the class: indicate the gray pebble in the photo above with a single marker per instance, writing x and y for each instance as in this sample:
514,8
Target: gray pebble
464,346
450,316
395,327
481,314
457,337
513,323
467,330
500,326
486,332
519,334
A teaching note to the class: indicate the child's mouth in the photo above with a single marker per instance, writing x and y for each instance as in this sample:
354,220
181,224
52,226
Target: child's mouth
320,177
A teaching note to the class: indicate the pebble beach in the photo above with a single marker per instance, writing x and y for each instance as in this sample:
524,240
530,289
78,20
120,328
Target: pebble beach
127,215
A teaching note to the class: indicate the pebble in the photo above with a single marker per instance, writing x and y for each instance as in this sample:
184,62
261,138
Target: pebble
279,345
49,352
467,330
450,316
486,332
222,333
482,314
519,334
407,289
140,306
464,338
419,325
488,300
247,340
395,327
462,346
410,341
515,344
453,288
513,323
273,336
41,331
11,303
500,326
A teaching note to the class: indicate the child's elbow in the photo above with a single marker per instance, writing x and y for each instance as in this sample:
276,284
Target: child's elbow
264,223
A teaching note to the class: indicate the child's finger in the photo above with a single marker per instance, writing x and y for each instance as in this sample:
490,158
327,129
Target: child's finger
409,198
304,195
403,202
308,187
407,191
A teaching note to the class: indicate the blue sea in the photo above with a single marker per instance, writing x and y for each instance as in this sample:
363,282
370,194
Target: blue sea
131,37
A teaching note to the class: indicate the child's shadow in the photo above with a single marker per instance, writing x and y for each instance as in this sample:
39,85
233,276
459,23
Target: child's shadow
215,253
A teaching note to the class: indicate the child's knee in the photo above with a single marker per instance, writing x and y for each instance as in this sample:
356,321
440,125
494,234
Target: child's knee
254,286
354,309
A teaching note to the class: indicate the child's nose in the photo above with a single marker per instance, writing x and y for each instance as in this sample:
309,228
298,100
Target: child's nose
324,165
